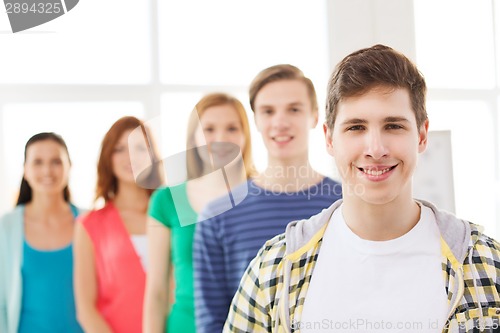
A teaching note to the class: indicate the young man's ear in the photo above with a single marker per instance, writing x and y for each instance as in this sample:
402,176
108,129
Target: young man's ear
315,119
328,139
255,121
422,136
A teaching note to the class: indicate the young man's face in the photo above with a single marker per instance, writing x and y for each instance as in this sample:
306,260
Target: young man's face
284,116
375,142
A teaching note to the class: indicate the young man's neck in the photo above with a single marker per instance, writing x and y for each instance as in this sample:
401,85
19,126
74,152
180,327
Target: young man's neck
381,222
288,175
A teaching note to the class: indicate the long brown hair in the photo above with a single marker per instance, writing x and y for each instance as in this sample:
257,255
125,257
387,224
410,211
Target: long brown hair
107,183
25,191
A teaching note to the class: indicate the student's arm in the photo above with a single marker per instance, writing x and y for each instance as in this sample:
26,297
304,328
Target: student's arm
85,282
157,280
250,308
212,298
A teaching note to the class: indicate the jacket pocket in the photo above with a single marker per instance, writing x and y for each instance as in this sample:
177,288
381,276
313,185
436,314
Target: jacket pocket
471,321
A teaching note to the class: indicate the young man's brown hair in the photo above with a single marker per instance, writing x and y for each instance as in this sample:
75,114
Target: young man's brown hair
279,73
377,66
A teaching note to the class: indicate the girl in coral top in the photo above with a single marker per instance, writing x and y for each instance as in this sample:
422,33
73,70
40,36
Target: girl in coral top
110,243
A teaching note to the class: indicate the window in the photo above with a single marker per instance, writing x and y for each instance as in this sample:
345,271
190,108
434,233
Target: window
456,50
153,59
100,42
455,47
226,43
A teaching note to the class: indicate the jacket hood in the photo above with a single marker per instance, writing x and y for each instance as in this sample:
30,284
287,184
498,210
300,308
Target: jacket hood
455,232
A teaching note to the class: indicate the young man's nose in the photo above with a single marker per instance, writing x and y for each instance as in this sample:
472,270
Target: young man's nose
280,120
375,145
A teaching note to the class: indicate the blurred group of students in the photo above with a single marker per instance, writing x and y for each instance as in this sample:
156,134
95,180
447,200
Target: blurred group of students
204,243
155,251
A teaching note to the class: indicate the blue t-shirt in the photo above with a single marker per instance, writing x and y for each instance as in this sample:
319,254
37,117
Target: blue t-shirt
48,304
225,244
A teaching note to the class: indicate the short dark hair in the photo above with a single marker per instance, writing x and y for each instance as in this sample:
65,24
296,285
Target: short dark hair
376,66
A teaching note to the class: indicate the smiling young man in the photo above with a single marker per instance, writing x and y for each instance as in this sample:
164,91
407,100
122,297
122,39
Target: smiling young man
378,260
285,110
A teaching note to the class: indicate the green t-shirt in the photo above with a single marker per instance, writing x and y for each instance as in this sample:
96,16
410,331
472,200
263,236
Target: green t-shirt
170,206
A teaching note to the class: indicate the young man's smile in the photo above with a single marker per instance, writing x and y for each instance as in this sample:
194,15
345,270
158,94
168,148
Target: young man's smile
281,139
284,116
377,172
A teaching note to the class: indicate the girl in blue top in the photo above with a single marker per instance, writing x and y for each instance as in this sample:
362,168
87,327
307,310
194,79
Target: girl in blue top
36,264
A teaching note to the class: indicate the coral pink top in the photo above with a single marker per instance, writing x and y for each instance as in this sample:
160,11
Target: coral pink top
120,276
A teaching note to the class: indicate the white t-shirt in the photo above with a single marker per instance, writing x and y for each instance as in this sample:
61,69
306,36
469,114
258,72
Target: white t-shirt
377,286
140,243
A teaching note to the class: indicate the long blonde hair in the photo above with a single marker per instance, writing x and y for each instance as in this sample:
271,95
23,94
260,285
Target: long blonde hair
194,162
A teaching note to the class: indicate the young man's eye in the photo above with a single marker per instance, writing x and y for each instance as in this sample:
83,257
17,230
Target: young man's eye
393,126
355,128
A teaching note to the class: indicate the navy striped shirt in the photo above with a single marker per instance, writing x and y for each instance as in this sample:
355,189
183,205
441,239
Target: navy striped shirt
225,244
